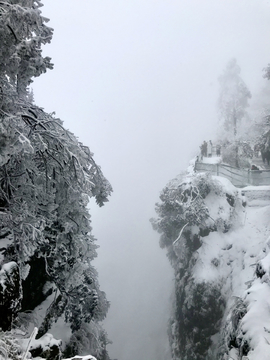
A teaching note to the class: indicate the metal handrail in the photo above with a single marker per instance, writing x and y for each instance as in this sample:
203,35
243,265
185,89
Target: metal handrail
238,177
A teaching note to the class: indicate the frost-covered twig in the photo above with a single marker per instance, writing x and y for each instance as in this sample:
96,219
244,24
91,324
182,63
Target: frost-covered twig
179,236
33,335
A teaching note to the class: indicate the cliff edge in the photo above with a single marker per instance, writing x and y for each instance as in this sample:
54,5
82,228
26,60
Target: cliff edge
217,238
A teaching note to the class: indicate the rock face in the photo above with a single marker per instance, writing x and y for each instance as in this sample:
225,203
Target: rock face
218,243
10,294
198,311
52,353
46,347
33,285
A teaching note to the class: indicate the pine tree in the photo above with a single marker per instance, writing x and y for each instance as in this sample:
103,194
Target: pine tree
22,32
232,105
233,97
46,178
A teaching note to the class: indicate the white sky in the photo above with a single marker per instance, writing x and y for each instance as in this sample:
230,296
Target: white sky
136,81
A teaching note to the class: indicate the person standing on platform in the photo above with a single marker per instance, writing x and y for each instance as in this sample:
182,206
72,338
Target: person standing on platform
218,149
209,148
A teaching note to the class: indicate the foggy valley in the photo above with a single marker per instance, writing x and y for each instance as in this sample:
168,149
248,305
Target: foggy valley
142,84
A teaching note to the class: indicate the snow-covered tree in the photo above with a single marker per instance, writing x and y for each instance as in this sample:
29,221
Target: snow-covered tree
260,128
232,106
22,33
233,97
46,179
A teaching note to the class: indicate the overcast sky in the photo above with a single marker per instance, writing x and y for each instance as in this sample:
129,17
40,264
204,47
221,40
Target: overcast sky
136,81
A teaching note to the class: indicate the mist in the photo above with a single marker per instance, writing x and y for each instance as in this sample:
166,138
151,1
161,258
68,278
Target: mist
137,82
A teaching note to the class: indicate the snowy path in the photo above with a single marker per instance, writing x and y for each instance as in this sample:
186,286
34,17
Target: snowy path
257,195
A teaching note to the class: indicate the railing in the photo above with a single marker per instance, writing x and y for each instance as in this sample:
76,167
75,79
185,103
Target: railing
238,177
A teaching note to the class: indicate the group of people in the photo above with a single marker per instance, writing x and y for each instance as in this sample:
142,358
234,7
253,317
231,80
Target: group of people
264,149
265,152
207,149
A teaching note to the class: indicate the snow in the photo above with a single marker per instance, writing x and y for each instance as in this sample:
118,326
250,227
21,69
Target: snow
5,242
4,273
45,342
256,188
86,357
233,354
237,250
212,160
256,322
233,258
190,169
8,267
230,259
265,263
228,187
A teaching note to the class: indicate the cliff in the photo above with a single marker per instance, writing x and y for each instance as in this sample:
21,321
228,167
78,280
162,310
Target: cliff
217,240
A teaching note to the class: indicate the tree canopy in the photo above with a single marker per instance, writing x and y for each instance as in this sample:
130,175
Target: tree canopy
46,177
22,32
233,97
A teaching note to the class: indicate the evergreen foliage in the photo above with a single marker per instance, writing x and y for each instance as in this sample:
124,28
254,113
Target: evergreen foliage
90,337
233,102
238,153
233,97
22,32
181,205
46,178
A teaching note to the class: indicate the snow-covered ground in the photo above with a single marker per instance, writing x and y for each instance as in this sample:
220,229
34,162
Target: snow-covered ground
231,258
211,160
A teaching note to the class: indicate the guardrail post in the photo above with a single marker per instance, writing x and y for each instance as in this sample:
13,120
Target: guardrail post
217,169
249,176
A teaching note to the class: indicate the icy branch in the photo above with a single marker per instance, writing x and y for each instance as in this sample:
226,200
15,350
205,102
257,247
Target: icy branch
179,236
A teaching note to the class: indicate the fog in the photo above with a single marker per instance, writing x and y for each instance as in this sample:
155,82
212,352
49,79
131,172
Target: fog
136,81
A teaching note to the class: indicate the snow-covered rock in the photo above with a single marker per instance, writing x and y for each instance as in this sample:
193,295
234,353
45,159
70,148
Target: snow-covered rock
221,307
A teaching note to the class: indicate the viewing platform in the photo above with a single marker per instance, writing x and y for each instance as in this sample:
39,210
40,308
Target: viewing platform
238,177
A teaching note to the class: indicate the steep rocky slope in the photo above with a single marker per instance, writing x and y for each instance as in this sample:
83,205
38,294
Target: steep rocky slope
217,238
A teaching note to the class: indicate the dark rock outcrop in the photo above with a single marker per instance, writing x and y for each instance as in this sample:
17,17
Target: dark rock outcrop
10,294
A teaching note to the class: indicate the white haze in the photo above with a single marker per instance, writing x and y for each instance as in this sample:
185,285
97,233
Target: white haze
136,81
